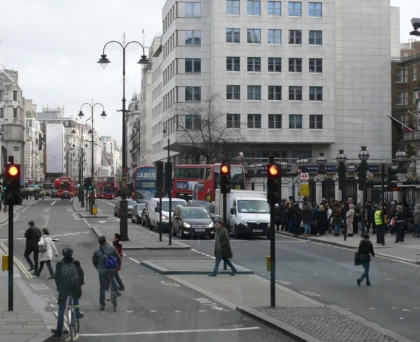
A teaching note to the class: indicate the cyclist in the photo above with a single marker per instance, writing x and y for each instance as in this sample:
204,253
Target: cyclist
69,281
99,263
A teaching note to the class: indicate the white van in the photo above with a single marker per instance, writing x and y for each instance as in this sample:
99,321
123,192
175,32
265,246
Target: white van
154,211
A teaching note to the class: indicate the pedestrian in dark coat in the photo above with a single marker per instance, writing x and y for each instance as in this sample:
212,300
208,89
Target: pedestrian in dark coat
222,250
365,251
32,235
277,216
322,220
306,218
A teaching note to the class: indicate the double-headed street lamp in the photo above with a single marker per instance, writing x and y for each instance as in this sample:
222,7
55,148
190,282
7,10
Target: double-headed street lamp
103,116
123,204
363,169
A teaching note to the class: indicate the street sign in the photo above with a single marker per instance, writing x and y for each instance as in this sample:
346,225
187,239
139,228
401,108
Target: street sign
304,189
304,176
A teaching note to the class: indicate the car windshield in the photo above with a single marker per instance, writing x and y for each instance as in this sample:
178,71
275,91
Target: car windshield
253,206
205,204
165,204
195,213
131,203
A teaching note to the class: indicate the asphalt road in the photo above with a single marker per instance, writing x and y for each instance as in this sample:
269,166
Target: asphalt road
151,308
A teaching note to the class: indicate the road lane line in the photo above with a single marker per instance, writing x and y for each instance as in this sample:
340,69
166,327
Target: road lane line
53,203
138,262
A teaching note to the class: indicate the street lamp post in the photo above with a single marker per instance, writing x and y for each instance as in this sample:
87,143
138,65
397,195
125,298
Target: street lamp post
363,169
103,115
123,204
341,159
321,163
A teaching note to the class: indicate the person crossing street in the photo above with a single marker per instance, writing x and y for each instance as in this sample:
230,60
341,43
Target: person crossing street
222,250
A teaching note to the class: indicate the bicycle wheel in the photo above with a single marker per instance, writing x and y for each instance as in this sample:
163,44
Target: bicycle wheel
72,324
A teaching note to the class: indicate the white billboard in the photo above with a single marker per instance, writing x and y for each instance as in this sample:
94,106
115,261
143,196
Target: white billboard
55,147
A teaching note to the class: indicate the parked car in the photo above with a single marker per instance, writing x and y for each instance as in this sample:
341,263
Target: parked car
65,195
137,211
192,220
54,193
154,211
130,206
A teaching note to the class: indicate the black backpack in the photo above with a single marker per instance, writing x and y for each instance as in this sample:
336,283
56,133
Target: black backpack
69,276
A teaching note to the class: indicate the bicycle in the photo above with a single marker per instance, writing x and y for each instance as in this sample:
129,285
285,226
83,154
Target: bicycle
112,290
72,321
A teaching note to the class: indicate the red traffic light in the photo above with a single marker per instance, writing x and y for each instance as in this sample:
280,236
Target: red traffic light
273,170
13,171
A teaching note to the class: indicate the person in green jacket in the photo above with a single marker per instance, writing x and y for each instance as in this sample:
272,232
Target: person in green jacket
222,250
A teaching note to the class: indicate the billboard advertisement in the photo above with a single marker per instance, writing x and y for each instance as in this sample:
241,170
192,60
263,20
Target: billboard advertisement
55,147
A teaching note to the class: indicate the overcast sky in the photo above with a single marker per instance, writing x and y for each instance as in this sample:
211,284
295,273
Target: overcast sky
54,45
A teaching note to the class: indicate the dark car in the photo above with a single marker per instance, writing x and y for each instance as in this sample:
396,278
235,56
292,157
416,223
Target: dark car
206,204
130,206
54,193
137,212
65,195
192,220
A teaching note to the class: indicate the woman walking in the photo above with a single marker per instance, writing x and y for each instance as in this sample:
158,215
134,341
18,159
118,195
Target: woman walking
47,256
349,219
365,251
322,220
400,224
116,241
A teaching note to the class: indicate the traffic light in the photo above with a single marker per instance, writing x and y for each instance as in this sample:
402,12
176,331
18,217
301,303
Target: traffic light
168,177
273,184
391,177
87,183
36,184
159,174
11,184
78,184
225,178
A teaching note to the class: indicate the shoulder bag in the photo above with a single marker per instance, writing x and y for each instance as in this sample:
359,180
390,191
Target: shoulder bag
356,259
109,260
42,248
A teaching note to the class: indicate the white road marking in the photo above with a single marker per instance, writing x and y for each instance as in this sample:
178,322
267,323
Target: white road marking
177,311
311,294
170,283
405,310
136,261
172,332
53,203
129,311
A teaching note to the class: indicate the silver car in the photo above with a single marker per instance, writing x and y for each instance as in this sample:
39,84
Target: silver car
130,206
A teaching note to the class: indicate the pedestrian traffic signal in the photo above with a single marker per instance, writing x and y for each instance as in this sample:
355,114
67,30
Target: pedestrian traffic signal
225,178
391,177
87,183
273,184
36,185
11,184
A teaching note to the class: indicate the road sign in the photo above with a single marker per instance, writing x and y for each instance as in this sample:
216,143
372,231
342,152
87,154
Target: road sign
304,189
304,176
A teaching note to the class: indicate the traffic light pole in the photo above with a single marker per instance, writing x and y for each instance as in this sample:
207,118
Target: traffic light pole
11,254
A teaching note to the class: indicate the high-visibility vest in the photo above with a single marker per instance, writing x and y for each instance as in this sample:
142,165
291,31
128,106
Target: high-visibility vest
378,220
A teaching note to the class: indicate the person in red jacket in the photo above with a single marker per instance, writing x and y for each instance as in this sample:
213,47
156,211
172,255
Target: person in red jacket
116,241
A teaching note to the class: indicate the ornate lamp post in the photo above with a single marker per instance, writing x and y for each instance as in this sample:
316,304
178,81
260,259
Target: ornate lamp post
103,115
341,159
321,160
401,157
104,61
363,169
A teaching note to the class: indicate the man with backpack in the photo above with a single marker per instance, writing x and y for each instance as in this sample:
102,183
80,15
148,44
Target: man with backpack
69,278
99,257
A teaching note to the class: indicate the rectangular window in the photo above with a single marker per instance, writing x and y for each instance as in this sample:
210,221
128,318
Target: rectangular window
315,93
254,92
192,65
15,95
274,121
254,7
193,37
1,113
254,120
274,64
274,8
254,36
400,98
15,115
414,72
233,64
315,64
295,37
315,9
192,9
192,94
274,93
399,75
295,93
315,37
233,92
1,80
192,121
295,9
254,64
405,98
405,76
1,95
233,35
274,36
315,121
233,120
232,7
295,121
295,64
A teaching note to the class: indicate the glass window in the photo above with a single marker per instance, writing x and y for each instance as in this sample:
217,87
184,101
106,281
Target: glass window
233,35
405,77
192,65
274,121
233,120
232,7
315,9
254,36
1,80
295,64
274,93
405,98
193,37
295,93
254,92
274,36
274,64
399,75
233,64
1,95
1,112
315,64
414,72
254,120
15,113
15,95
274,8
295,37
400,97
192,122
295,121
315,93
192,9
254,7
315,121
192,94
254,64
233,92
295,9
315,37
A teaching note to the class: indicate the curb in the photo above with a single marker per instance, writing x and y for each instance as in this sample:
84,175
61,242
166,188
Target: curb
18,209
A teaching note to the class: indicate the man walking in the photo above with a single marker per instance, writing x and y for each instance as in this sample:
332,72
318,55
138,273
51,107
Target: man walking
222,250
32,235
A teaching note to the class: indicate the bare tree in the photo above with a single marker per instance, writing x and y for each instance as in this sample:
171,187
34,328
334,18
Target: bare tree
204,132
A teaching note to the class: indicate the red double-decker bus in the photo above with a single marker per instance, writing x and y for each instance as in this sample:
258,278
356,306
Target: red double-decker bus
64,184
200,181
105,187
144,184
